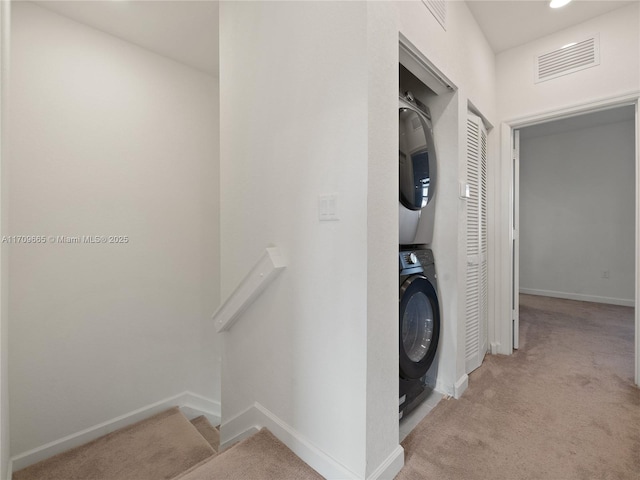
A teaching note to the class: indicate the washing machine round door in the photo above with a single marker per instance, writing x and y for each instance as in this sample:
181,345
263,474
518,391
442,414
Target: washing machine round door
419,326
416,158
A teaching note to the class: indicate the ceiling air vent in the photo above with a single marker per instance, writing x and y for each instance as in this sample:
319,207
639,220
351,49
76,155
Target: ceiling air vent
571,58
439,10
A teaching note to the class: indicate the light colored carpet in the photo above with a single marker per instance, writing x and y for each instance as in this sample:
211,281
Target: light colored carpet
157,448
208,431
564,407
259,457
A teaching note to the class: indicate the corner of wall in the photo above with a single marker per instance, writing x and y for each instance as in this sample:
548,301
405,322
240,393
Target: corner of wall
192,405
257,416
390,467
5,28
460,386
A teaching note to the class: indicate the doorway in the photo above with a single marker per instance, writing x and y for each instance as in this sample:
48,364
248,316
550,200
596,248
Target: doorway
511,150
577,191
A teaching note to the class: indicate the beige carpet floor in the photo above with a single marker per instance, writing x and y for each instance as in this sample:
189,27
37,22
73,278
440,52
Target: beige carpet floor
563,407
208,431
260,457
157,448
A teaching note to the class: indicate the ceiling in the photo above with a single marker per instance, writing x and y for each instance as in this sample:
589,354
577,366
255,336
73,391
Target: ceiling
184,30
187,30
507,24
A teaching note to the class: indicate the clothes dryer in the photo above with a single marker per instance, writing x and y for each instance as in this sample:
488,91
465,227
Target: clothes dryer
418,168
419,324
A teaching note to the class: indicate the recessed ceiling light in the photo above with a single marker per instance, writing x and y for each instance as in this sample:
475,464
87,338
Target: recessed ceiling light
558,3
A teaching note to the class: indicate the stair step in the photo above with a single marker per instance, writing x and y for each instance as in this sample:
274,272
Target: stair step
159,447
210,433
259,457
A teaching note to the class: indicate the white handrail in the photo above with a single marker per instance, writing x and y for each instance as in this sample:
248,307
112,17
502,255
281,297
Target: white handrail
264,271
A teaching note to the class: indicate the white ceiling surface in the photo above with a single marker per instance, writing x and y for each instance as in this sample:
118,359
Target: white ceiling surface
187,30
183,30
508,24
612,115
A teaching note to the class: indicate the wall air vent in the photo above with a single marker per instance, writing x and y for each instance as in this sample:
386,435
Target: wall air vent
571,58
439,10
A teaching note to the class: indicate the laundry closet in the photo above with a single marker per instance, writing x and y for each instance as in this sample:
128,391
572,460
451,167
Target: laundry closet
437,193
420,313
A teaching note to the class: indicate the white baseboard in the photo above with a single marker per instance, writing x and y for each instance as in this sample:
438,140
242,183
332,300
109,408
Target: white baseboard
460,386
256,417
190,403
242,426
390,467
444,388
195,405
456,390
578,296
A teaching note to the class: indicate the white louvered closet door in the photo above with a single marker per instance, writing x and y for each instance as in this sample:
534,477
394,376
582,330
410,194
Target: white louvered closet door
477,275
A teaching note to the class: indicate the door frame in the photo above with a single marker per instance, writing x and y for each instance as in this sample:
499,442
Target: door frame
503,263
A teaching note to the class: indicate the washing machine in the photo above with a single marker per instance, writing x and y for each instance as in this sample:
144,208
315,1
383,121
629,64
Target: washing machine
419,324
418,168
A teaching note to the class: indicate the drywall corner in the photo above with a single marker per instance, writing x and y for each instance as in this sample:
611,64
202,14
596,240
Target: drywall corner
382,429
257,416
460,386
5,462
191,404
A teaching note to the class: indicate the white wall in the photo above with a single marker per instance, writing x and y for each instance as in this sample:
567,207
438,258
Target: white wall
577,214
520,101
618,72
462,54
107,139
318,350
5,452
461,51
382,211
294,126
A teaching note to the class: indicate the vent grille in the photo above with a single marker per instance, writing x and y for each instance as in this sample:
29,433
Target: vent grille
439,10
571,58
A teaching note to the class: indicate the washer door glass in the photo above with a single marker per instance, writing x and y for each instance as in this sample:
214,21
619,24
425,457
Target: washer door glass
414,157
417,327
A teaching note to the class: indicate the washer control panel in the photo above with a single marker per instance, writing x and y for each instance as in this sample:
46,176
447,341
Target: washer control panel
409,263
415,261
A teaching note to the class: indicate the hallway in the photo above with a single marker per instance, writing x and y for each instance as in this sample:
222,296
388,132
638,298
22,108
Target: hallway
563,407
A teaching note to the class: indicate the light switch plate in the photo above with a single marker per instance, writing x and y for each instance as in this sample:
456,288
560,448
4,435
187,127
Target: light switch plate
328,207
465,190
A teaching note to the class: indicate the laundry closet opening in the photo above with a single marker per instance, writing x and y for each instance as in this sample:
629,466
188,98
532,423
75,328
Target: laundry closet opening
429,247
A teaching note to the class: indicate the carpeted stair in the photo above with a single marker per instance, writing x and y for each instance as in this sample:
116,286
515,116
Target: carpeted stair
208,431
259,457
167,446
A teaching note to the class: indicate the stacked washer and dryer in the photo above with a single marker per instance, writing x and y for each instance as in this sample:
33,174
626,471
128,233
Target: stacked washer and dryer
419,305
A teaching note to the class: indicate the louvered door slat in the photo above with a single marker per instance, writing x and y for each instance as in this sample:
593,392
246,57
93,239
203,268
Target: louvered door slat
476,218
